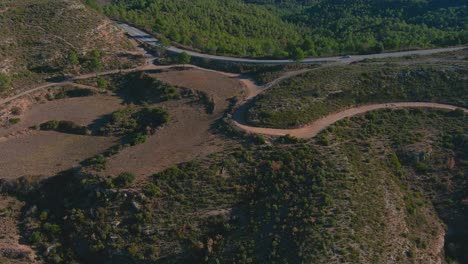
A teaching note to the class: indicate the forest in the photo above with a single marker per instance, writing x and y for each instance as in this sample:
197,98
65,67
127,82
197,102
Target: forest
277,29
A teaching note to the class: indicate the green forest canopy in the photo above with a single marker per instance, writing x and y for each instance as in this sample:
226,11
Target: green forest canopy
276,28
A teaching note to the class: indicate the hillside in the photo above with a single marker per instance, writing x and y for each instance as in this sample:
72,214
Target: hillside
264,28
110,154
377,188
309,96
45,38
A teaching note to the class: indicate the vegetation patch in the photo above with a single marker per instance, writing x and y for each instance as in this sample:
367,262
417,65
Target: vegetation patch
353,201
138,87
294,29
134,124
65,127
309,96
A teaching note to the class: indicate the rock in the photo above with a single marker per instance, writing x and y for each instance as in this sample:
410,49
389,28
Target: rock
148,231
136,205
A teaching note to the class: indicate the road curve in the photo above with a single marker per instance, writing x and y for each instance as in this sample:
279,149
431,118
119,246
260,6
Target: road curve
150,40
312,129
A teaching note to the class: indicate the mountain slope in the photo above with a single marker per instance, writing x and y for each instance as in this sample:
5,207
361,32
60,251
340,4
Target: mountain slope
39,37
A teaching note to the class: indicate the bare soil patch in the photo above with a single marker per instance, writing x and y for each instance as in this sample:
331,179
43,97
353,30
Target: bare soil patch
187,136
219,86
47,153
80,110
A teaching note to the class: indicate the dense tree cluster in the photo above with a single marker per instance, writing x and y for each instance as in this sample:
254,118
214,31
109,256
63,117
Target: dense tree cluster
270,28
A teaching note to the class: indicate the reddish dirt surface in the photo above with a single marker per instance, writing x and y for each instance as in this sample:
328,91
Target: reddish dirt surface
47,153
11,251
219,86
81,110
311,130
187,136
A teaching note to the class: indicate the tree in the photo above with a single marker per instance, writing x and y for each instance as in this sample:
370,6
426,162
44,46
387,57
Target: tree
96,54
95,65
184,58
102,83
73,58
5,82
298,54
308,46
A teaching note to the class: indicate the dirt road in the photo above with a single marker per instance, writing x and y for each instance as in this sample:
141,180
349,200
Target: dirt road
69,81
312,129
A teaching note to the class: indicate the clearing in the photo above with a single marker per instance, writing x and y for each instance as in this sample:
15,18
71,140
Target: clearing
187,136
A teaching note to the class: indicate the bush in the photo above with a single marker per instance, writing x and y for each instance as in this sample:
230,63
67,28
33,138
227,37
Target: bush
422,167
13,121
258,139
65,127
52,230
152,190
124,179
35,238
50,125
102,83
16,111
98,161
138,138
288,139
5,82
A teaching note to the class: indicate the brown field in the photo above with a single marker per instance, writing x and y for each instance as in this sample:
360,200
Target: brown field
187,136
220,86
47,153
25,152
81,110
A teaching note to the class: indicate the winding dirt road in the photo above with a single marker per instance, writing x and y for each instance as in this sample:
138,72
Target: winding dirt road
252,90
312,129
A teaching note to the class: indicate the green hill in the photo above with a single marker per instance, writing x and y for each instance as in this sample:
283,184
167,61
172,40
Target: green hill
383,189
265,28
305,98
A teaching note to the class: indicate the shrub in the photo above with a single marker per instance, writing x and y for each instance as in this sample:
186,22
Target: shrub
138,138
65,127
124,179
14,121
258,139
35,238
152,190
52,230
422,167
16,111
5,82
98,161
50,125
288,139
102,83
